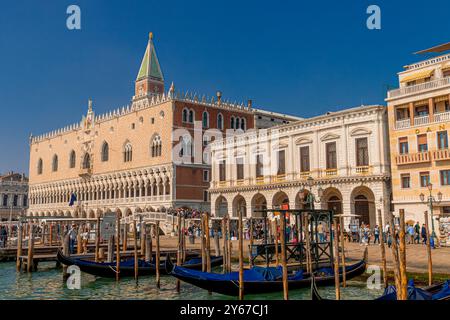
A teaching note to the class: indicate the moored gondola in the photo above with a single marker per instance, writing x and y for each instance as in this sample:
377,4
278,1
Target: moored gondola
259,280
108,269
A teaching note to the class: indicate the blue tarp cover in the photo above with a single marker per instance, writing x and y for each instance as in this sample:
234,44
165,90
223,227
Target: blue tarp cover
390,293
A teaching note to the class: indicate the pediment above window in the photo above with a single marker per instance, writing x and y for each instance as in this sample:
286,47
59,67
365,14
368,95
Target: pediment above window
329,136
360,132
303,141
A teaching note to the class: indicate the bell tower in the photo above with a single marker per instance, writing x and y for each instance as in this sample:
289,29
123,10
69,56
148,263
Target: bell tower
150,79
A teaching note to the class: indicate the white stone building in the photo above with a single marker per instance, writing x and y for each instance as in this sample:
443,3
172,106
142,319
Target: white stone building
345,152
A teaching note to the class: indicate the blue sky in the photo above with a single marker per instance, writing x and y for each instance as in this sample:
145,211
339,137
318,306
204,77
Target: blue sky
293,57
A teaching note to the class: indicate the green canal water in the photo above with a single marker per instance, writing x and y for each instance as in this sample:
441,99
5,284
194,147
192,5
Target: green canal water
47,284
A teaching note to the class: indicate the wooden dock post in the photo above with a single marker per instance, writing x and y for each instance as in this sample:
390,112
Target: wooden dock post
430,262
79,241
202,241
336,260
30,262
142,234
19,244
50,227
394,250
97,239
158,276
150,242
250,260
225,246
241,256
308,245
341,228
148,239
179,246
118,246
125,237
230,245
275,228
136,262
183,258
383,249
216,243
402,252
208,244
283,255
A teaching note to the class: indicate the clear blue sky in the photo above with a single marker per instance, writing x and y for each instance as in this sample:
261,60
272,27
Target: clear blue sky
298,58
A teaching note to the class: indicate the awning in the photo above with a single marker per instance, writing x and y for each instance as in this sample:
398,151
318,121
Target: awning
418,75
438,48
445,66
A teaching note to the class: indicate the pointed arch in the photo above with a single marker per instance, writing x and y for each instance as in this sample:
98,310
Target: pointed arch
156,146
205,119
185,115
191,116
232,122
72,159
105,152
40,166
220,121
86,161
127,152
55,163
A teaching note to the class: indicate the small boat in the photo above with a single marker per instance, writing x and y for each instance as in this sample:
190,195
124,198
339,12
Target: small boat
258,279
437,292
108,269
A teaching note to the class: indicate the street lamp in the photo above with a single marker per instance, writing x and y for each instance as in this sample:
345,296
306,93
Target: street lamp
311,198
431,201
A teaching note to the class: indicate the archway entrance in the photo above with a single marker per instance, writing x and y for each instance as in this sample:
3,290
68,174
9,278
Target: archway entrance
363,204
239,204
258,203
221,207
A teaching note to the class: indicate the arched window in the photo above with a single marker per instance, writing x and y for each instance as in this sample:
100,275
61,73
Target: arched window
86,161
128,153
220,121
191,116
237,124
185,115
40,166
186,146
156,147
243,124
105,151
232,122
55,163
205,119
72,159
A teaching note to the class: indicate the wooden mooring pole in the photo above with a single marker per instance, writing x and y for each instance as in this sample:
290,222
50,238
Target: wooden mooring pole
241,256
402,252
250,257
158,276
125,237
202,241
341,233
30,263
283,255
430,262
229,245
383,249
394,249
136,261
97,239
275,232
225,246
208,244
19,244
336,260
118,246
142,231
179,246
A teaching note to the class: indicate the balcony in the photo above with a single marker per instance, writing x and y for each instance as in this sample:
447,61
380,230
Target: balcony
431,85
441,155
279,178
305,174
330,172
85,172
240,182
259,180
412,158
362,169
423,120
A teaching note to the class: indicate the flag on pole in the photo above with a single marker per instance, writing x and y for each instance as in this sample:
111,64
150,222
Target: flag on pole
73,198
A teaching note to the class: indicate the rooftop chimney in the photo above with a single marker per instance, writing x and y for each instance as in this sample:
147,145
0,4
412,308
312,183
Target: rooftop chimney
249,103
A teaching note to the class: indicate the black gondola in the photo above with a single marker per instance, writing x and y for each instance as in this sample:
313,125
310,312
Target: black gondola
108,269
437,292
228,284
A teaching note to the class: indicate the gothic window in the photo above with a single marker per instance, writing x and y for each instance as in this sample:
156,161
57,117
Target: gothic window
86,161
25,200
185,115
232,122
40,166
156,147
236,123
15,200
72,159
55,163
186,146
128,153
243,124
105,152
205,119
191,116
5,200
220,121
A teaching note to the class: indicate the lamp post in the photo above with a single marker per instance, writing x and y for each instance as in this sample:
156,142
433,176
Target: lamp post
311,198
431,201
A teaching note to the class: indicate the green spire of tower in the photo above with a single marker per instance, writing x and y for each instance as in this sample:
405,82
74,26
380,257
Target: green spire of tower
150,65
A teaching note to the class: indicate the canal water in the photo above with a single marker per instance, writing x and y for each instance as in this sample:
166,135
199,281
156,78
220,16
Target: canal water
47,284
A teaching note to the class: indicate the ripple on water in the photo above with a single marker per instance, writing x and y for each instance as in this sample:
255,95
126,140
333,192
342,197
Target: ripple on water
48,284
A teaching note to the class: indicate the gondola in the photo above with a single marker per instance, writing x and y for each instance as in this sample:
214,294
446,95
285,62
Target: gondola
259,280
437,292
108,269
